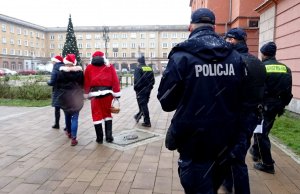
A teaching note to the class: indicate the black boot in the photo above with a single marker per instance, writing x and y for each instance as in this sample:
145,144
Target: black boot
99,133
57,117
108,131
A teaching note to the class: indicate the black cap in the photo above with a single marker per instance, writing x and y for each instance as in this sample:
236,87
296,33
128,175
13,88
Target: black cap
203,15
236,33
141,60
269,49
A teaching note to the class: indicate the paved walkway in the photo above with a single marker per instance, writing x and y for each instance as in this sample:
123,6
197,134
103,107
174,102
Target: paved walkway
34,158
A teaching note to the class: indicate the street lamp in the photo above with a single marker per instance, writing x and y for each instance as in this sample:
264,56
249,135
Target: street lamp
106,38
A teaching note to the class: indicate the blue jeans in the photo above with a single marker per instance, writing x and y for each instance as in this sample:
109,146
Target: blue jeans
72,123
201,177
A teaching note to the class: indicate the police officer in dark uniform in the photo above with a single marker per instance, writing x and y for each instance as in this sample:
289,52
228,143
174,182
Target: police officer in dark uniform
278,94
252,108
143,84
203,82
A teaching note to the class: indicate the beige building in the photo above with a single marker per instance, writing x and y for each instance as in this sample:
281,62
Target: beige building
25,45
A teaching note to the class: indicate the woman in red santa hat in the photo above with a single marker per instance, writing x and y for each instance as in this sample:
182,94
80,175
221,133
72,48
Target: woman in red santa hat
70,82
101,84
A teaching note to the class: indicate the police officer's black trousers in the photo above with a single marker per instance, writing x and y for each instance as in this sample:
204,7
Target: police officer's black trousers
143,100
262,144
56,115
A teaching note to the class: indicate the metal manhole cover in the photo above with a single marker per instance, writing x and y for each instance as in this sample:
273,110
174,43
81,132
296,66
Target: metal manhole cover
127,139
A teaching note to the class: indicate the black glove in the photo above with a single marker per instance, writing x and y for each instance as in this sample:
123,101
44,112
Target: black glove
170,141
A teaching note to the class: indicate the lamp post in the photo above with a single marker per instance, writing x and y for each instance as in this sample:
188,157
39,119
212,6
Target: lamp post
105,38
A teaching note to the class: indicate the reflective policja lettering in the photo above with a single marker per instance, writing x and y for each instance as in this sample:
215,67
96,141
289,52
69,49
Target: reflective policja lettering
214,70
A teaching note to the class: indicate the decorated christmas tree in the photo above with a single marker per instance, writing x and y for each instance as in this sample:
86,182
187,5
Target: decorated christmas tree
71,43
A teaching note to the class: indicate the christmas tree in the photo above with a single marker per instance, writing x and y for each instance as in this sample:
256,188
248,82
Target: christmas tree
70,46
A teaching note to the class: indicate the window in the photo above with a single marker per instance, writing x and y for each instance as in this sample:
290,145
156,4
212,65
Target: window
60,37
173,44
25,32
165,55
19,42
25,43
60,46
152,55
183,35
142,45
3,27
88,45
43,36
124,55
152,44
18,52
142,35
97,45
164,35
52,37
36,45
79,36
52,46
37,35
88,55
133,35
25,53
12,52
132,55
132,45
115,54
164,45
124,35
115,36
124,45
19,31
3,40
12,29
80,45
12,41
4,51
31,34
174,35
31,44
115,45
152,35
97,36
88,37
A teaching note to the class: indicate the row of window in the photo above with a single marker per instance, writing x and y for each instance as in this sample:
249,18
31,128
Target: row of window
26,43
25,31
22,53
132,35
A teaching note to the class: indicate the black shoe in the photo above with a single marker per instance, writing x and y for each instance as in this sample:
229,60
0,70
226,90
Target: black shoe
265,168
99,141
146,124
254,156
137,117
55,126
109,140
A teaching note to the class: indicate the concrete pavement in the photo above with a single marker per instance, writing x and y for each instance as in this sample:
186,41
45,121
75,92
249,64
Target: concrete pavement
34,158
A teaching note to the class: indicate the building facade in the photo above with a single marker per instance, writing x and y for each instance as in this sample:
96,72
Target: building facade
25,45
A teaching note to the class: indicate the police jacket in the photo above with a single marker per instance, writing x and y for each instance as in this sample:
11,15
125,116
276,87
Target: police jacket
203,83
143,79
253,90
278,87
70,83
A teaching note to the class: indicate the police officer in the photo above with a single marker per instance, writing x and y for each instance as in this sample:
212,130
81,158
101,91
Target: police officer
143,84
253,93
278,94
203,82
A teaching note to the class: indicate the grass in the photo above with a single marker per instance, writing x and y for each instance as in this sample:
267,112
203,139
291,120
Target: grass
26,103
287,129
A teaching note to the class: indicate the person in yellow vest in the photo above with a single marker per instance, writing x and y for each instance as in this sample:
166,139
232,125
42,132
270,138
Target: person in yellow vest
143,84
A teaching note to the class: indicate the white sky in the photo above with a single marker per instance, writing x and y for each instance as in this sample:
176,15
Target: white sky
55,13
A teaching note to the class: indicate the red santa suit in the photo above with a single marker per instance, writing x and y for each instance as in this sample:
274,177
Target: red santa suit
101,83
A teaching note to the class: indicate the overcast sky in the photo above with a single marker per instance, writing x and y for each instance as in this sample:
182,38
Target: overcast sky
55,13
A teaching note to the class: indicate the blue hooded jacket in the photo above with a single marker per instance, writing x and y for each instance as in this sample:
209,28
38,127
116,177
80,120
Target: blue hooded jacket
203,83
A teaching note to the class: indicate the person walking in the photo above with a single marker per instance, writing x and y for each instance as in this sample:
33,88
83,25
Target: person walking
57,63
101,85
203,82
143,84
252,107
277,95
70,83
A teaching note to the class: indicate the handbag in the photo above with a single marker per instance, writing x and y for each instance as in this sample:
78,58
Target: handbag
115,106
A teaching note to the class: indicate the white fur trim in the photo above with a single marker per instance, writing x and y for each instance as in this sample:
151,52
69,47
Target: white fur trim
68,69
98,122
55,60
100,93
106,62
117,94
108,118
69,62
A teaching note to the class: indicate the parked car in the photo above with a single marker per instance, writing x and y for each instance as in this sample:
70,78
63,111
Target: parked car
2,73
8,71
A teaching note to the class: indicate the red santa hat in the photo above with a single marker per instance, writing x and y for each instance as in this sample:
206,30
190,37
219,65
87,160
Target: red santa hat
70,59
57,59
101,54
